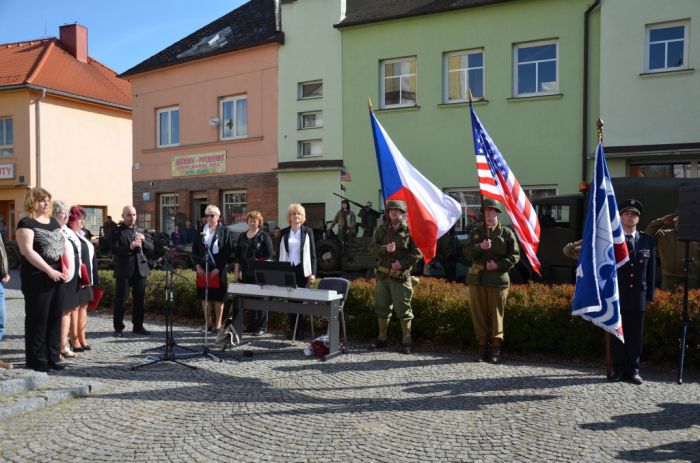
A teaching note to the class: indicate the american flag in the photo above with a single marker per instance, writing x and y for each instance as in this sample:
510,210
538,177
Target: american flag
603,251
497,181
345,175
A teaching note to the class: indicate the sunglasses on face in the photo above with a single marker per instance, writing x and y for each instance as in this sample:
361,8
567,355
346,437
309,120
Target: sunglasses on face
210,215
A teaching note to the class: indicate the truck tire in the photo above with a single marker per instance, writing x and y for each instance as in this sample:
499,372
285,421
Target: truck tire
328,256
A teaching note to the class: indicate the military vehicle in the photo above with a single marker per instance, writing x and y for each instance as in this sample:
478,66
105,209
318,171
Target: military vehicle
562,219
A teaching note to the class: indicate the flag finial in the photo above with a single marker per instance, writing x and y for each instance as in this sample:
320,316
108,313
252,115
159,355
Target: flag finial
369,104
469,94
599,124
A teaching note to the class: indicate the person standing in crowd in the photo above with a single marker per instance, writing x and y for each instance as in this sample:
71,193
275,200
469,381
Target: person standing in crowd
346,221
672,253
88,278
176,236
368,219
447,249
636,287
189,234
129,247
108,227
253,245
4,279
69,290
397,253
214,247
493,251
297,247
41,244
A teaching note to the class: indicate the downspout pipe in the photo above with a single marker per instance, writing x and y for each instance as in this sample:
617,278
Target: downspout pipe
586,49
37,131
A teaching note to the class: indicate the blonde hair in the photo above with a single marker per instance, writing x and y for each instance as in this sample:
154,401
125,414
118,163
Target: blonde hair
32,198
58,206
296,207
255,215
211,209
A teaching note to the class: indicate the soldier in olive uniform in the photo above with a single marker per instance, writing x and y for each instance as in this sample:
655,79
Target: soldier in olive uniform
397,253
493,251
672,254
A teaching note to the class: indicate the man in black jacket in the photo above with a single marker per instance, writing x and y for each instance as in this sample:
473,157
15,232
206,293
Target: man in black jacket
131,269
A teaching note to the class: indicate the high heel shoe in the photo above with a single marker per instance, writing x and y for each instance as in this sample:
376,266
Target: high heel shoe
69,354
86,346
76,349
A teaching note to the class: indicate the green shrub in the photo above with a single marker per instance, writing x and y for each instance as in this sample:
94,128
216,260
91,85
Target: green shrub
537,317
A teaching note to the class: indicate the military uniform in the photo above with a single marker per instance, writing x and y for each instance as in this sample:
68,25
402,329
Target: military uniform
488,289
672,256
636,288
394,288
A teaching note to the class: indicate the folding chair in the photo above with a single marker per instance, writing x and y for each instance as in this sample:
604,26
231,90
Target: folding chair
342,287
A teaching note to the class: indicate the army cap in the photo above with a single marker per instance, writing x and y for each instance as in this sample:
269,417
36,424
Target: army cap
492,203
631,205
396,204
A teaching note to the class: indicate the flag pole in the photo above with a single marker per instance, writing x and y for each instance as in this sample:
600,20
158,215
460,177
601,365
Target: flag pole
608,352
369,103
483,214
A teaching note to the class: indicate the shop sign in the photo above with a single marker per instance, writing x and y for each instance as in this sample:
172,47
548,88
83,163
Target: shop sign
7,171
199,164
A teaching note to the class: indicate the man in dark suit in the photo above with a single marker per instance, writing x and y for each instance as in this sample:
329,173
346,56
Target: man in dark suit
131,269
636,286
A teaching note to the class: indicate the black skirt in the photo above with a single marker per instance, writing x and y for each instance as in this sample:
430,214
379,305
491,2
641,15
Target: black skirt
69,294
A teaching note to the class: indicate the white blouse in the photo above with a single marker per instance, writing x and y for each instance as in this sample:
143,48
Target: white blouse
294,246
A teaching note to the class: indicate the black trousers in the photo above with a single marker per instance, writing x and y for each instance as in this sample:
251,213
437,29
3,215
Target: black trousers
292,317
42,322
626,356
137,283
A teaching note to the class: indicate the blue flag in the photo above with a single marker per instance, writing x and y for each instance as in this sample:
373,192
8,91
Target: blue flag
603,251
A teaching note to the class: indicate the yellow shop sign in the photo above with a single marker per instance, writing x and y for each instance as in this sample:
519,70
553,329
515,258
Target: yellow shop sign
199,164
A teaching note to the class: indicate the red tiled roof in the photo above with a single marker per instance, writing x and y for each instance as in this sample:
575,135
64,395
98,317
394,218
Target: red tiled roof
44,63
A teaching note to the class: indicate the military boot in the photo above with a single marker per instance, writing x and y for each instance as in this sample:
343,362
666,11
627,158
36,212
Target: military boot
380,342
496,351
483,353
406,345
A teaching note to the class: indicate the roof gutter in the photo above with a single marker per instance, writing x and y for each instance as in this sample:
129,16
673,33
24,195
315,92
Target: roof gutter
47,91
586,49
37,132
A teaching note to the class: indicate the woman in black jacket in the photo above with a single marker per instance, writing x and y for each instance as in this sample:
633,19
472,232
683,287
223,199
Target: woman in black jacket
253,245
212,250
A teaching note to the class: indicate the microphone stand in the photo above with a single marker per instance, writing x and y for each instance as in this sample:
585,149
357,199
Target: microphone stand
170,345
205,349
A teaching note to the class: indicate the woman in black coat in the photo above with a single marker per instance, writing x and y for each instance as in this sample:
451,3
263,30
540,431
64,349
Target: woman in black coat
212,250
297,246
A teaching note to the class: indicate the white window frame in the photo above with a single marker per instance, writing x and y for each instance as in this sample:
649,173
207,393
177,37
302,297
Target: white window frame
7,149
310,143
302,85
647,40
238,199
167,200
464,75
382,67
318,120
169,110
516,76
235,124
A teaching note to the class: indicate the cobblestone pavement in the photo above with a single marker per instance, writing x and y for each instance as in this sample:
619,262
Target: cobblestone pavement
359,407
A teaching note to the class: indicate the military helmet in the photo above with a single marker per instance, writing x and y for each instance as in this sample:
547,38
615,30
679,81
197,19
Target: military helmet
631,205
396,204
492,203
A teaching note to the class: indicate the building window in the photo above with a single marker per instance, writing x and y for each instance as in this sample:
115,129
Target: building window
168,210
310,148
234,117
675,170
536,69
94,218
666,49
145,221
398,82
168,127
309,90
463,70
311,120
235,206
6,137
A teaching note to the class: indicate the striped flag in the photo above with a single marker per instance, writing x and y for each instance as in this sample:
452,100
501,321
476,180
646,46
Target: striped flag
431,213
603,251
498,182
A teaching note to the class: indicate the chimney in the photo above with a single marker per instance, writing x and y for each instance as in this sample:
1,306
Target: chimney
75,39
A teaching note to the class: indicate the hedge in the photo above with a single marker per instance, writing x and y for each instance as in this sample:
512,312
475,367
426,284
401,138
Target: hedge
538,317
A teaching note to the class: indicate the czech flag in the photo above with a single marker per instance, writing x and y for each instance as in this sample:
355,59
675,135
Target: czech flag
431,213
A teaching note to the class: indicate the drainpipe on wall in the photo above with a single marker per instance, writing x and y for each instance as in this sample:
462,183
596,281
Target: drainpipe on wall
584,142
37,121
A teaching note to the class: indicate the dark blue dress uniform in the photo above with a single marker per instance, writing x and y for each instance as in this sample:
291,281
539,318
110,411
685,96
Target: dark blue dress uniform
636,286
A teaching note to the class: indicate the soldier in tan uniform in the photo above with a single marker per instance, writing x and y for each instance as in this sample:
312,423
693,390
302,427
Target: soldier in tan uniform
397,253
672,253
493,251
